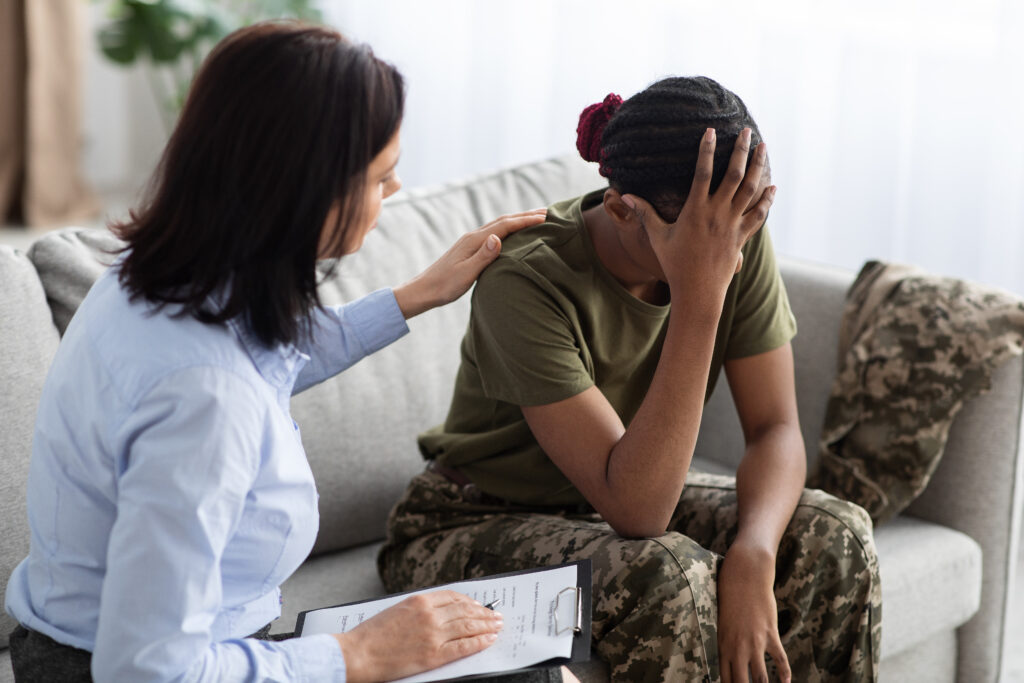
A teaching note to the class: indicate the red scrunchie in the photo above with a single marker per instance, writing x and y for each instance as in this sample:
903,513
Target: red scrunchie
593,119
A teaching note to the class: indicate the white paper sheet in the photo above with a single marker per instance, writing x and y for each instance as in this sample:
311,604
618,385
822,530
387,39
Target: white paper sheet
527,638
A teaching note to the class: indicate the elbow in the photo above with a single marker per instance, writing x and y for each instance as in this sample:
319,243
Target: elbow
638,532
639,516
638,526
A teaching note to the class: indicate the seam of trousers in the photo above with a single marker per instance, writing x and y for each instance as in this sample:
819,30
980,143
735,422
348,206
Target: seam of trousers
696,612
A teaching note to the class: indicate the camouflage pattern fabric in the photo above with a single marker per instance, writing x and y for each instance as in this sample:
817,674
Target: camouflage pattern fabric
655,600
913,349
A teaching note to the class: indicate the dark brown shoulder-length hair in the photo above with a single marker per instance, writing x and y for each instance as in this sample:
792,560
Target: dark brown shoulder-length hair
281,122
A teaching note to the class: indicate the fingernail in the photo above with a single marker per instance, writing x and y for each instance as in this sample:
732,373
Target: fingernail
491,637
746,135
628,201
492,244
709,135
773,189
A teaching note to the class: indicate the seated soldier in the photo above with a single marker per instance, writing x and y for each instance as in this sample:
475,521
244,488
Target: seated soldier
593,344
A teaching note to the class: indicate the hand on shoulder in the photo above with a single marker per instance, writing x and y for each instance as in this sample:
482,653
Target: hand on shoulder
454,273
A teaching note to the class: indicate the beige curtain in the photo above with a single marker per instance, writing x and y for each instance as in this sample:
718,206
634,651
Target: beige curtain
40,113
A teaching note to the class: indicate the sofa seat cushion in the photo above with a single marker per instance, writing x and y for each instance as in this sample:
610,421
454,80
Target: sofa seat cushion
931,581
330,579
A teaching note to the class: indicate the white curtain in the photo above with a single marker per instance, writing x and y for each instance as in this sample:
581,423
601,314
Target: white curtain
893,125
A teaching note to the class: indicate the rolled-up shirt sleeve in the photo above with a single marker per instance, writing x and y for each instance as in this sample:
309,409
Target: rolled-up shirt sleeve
185,468
343,335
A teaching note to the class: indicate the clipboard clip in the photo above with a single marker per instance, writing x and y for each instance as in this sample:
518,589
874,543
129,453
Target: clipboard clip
577,625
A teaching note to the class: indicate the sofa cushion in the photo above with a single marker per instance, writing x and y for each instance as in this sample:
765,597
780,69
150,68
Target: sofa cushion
29,342
330,579
68,262
817,295
931,581
360,428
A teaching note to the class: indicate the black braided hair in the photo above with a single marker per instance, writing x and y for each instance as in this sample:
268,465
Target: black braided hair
649,147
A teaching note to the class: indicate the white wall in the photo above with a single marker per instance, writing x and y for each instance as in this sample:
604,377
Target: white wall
892,124
123,134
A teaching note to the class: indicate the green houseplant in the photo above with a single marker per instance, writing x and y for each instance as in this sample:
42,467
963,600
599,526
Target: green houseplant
171,37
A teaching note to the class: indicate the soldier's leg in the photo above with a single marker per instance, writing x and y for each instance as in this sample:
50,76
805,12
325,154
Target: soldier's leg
826,583
654,600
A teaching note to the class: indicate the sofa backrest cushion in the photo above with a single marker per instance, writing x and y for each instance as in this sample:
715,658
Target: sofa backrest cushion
68,262
817,295
360,428
29,341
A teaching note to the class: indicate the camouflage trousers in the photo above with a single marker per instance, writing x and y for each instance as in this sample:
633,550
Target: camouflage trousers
655,608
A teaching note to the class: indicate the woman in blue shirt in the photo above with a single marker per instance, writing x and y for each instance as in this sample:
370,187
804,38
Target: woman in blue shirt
169,494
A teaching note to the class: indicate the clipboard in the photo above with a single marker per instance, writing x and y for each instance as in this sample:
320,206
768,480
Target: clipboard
575,600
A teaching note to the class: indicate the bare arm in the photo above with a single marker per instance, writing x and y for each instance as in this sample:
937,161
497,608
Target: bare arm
771,475
634,476
768,485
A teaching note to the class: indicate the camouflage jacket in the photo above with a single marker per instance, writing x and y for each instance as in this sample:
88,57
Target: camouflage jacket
913,349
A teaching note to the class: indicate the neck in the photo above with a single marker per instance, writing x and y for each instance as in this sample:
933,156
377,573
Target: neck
617,260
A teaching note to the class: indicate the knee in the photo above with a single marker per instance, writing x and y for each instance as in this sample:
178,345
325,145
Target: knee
838,534
666,568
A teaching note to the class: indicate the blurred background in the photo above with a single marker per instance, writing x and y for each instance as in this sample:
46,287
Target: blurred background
893,125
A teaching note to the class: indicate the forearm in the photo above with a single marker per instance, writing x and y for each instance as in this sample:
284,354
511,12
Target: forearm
647,468
343,335
769,482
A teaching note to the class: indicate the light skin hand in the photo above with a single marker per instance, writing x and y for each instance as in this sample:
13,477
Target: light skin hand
420,633
568,677
700,252
455,272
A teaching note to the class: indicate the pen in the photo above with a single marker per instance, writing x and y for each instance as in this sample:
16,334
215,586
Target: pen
493,603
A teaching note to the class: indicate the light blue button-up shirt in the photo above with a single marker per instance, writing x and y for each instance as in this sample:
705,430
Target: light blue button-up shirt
169,495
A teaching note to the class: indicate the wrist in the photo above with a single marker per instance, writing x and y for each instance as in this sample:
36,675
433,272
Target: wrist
355,668
698,308
415,297
754,551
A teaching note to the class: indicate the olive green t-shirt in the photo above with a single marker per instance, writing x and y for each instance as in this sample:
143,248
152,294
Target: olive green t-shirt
549,321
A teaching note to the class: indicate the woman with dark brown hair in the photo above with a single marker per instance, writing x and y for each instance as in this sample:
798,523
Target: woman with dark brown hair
169,495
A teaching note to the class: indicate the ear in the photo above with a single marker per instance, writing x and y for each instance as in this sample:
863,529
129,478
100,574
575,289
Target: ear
621,214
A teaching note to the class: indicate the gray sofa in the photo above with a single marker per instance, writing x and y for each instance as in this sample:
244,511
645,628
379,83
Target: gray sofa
946,564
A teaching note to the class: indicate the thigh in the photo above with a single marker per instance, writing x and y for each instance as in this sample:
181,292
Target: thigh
38,658
707,511
828,591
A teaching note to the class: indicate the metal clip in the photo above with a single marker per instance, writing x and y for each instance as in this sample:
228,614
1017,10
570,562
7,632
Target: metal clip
577,626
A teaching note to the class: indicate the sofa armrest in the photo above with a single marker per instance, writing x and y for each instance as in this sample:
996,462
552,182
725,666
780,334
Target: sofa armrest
977,489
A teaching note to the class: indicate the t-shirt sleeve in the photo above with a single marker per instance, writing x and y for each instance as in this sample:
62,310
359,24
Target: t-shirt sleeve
522,338
762,319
